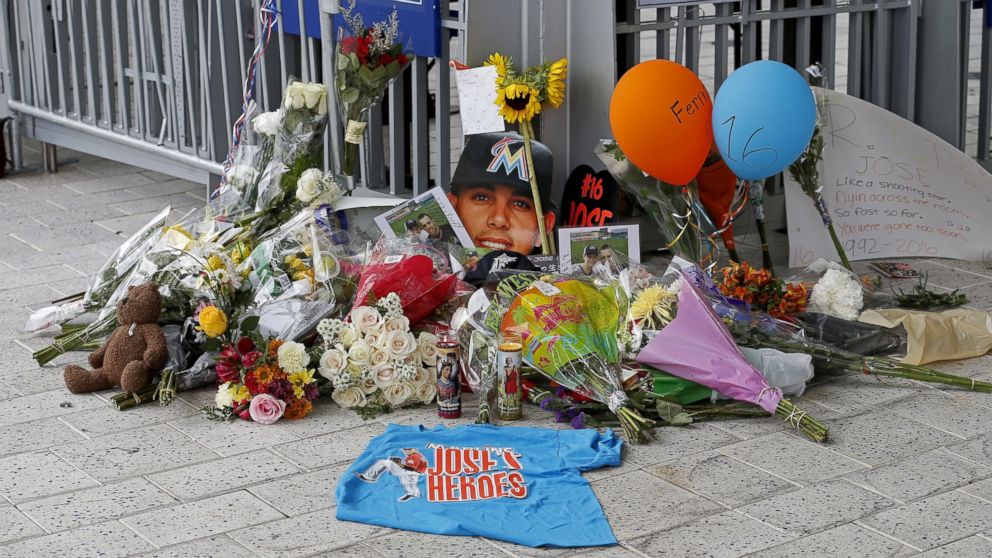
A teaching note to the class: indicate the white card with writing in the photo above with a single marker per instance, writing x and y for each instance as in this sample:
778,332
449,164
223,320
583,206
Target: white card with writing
476,100
892,190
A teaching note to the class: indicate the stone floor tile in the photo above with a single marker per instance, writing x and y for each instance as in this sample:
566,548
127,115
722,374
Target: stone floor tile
16,526
220,546
203,518
971,547
406,544
135,452
934,521
36,380
301,493
726,535
181,202
968,367
960,414
27,476
109,168
724,479
222,475
978,449
851,395
45,274
94,505
521,551
639,503
7,392
846,541
46,404
231,438
108,420
751,428
324,418
30,294
296,536
793,458
36,435
949,277
104,183
676,442
880,436
157,189
105,540
981,489
921,475
328,449
608,552
359,550
817,507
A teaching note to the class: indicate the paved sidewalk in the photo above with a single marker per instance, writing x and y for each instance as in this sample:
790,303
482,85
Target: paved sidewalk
908,468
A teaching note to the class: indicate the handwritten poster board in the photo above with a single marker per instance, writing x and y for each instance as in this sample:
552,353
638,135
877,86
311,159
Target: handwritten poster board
893,190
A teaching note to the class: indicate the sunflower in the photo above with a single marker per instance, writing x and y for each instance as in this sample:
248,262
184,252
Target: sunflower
502,63
518,102
554,91
653,307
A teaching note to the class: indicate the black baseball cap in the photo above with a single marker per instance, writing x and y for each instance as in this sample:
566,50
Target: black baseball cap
499,158
590,250
411,224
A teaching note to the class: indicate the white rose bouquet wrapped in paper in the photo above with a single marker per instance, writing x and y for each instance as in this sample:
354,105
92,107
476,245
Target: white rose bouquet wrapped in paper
375,362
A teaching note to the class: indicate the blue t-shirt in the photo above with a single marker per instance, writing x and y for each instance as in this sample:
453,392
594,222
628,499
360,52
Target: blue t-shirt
515,484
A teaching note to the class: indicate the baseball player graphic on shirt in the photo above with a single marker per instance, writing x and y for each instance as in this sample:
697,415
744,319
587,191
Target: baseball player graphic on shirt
408,469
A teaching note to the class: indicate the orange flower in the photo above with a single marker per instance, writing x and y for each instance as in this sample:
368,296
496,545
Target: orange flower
297,409
264,374
273,348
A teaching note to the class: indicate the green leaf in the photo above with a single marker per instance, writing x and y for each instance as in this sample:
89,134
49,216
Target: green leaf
343,61
249,324
354,59
349,95
672,413
212,344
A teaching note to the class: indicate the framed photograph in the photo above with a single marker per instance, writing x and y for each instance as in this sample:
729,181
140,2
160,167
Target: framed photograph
426,218
598,250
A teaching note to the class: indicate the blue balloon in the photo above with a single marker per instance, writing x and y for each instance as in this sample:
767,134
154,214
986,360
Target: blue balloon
763,119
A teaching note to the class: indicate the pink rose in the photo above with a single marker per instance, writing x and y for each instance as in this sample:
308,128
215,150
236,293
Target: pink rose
265,409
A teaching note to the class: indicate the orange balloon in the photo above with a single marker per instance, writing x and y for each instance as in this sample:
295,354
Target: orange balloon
660,116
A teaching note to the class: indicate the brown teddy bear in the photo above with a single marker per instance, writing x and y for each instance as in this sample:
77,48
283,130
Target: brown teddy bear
132,353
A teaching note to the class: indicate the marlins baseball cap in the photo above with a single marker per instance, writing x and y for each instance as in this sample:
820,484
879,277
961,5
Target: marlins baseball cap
590,251
499,159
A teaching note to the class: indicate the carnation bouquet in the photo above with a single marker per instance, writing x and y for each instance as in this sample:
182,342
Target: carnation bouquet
367,61
762,290
374,362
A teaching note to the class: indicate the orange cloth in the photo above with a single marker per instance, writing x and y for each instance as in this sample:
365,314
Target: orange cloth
716,190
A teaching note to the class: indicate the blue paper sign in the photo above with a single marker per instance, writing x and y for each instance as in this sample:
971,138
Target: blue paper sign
420,21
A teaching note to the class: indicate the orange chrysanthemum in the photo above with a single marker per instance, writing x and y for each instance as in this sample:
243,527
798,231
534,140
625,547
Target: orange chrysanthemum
273,348
297,408
264,374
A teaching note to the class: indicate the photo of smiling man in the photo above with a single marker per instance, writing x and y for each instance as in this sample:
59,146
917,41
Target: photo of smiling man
491,192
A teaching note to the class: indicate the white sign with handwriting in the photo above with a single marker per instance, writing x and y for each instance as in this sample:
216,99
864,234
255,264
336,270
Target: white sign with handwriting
893,190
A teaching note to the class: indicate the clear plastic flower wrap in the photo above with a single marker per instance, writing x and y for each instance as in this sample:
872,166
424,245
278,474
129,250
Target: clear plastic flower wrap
569,331
239,184
281,266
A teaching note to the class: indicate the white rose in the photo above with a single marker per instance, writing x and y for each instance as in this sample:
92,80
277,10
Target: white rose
308,185
243,174
375,337
429,358
349,397
294,96
292,356
426,392
399,343
378,357
267,123
332,362
423,376
348,335
360,353
384,375
398,393
427,343
223,398
396,323
314,94
368,386
365,318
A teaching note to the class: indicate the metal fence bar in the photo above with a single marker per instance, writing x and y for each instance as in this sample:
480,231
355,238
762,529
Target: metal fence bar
419,127
984,88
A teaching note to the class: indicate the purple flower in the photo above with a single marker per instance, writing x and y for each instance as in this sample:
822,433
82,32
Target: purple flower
560,391
310,391
545,404
579,421
280,389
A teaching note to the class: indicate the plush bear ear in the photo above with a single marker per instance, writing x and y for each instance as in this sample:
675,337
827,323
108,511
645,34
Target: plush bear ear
131,288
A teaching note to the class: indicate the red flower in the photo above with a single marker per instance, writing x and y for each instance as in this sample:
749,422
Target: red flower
403,59
252,359
357,45
244,415
245,345
230,355
227,372
385,59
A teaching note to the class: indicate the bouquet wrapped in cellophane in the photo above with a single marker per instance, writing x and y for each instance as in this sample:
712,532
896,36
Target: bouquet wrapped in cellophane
569,332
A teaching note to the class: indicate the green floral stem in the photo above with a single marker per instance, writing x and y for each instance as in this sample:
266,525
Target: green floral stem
840,248
527,131
809,426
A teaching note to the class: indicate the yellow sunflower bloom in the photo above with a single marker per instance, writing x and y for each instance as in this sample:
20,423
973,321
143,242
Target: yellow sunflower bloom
518,102
555,90
502,63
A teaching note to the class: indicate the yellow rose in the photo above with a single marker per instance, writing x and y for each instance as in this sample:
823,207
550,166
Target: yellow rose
213,322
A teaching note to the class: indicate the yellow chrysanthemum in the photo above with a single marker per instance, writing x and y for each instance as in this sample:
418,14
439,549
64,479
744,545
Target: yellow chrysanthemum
502,63
652,308
240,252
215,262
555,90
518,102
300,379
239,393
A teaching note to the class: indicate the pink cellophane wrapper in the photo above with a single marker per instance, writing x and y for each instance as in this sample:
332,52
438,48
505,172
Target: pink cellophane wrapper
697,347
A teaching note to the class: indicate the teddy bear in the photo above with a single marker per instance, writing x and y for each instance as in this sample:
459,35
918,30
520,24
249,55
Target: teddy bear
133,352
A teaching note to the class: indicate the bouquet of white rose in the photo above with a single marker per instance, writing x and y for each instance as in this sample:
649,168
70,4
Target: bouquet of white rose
374,362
